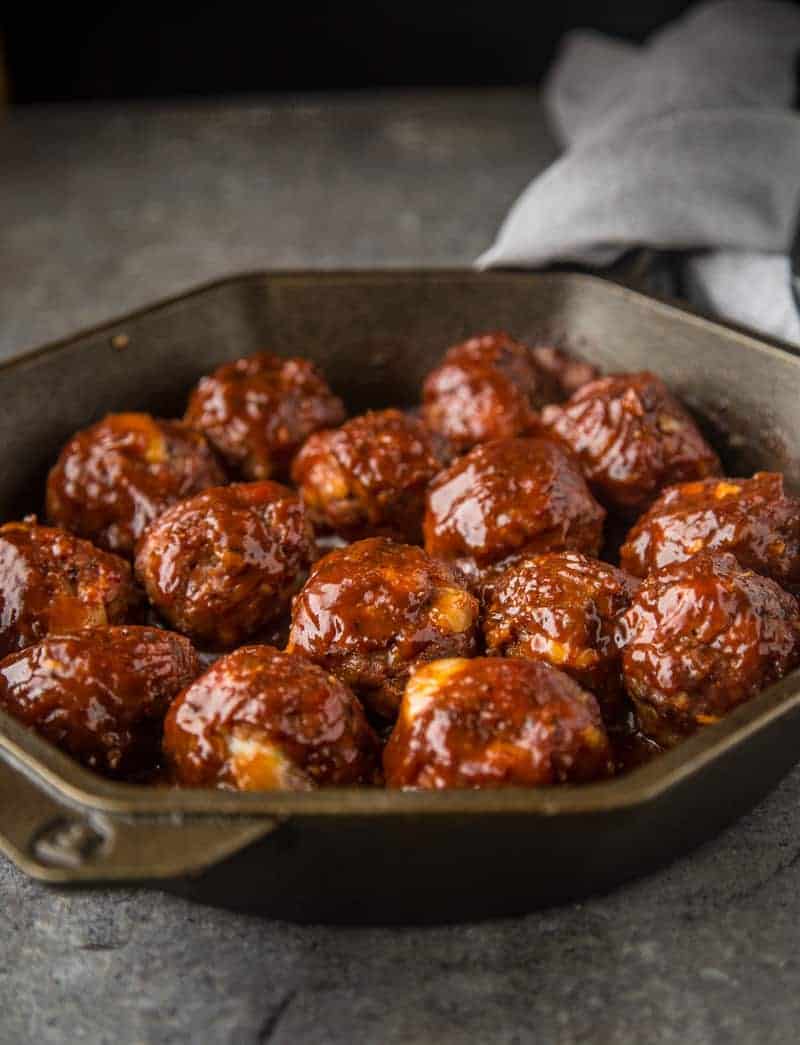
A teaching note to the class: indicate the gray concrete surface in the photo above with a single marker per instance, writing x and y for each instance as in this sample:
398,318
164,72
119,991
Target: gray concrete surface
104,210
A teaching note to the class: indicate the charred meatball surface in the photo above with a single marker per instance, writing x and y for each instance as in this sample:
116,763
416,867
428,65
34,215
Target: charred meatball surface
52,581
632,438
564,608
492,722
260,719
224,565
754,519
374,610
489,387
369,477
113,479
701,637
257,411
100,694
507,499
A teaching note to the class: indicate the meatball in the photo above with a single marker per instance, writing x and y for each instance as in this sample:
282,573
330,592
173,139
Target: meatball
564,608
753,519
701,637
632,438
368,478
113,479
100,694
256,412
51,581
372,611
494,722
489,387
260,719
508,499
569,373
224,565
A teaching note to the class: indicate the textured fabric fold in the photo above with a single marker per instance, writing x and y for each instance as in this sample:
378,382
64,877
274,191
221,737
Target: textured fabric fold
686,143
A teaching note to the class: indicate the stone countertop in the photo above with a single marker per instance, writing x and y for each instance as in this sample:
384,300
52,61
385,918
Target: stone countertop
103,210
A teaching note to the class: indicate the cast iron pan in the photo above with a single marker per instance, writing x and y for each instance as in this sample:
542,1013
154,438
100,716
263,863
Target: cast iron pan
375,856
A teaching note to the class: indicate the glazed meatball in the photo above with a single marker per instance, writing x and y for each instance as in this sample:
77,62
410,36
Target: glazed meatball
368,478
259,719
492,722
100,694
508,499
632,438
372,611
489,387
113,479
51,582
701,637
256,412
564,608
224,565
753,519
569,373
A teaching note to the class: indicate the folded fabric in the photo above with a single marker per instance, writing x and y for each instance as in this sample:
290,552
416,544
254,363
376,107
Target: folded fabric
688,142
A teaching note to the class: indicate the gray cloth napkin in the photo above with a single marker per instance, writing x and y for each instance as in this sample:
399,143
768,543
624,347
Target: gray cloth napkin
686,143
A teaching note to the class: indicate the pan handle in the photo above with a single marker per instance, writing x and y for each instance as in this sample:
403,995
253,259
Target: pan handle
57,842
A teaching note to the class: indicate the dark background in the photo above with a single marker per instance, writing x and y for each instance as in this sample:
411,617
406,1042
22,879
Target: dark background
83,51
